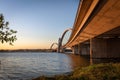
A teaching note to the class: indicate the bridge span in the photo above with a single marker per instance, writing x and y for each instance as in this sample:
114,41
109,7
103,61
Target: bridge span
60,48
51,47
96,30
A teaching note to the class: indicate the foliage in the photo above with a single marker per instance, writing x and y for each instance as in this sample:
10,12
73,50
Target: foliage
6,34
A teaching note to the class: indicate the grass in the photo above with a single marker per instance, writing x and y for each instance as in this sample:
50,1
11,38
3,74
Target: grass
106,71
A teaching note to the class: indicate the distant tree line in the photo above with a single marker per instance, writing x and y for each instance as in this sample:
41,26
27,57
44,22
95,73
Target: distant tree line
27,50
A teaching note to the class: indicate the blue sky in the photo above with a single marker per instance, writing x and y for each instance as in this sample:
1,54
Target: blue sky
39,22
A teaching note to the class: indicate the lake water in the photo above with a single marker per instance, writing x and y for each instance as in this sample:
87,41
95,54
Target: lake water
29,65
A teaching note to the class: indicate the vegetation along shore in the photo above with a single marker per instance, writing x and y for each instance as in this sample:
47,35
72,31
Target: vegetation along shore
103,71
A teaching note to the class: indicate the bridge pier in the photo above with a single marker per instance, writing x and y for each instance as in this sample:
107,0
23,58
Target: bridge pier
81,49
59,45
105,48
85,49
75,49
99,48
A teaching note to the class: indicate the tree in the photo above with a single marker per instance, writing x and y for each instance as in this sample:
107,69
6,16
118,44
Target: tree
6,34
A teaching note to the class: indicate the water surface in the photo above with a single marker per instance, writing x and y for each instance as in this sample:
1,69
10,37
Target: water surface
28,65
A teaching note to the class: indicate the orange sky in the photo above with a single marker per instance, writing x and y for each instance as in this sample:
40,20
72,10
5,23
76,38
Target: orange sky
25,45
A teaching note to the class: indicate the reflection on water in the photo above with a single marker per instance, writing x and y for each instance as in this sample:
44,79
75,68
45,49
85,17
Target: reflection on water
78,61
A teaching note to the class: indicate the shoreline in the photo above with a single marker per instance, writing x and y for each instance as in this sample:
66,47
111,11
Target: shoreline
102,71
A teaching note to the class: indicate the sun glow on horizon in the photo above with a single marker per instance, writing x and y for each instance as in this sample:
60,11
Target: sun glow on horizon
25,46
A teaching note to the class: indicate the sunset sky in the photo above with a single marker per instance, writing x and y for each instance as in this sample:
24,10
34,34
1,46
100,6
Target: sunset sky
39,22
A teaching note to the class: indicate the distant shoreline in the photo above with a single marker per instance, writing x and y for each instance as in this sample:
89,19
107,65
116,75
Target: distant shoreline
27,50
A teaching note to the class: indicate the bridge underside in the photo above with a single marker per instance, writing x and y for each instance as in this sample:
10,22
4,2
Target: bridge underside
106,45
98,34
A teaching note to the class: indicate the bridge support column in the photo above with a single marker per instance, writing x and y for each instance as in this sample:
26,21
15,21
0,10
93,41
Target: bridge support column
59,45
84,49
105,48
75,49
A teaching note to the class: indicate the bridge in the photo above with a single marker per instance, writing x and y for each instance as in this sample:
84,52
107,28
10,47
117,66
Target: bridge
60,40
96,30
60,48
51,47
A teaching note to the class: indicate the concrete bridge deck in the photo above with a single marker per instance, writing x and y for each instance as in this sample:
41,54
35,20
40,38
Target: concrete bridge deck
94,17
96,30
